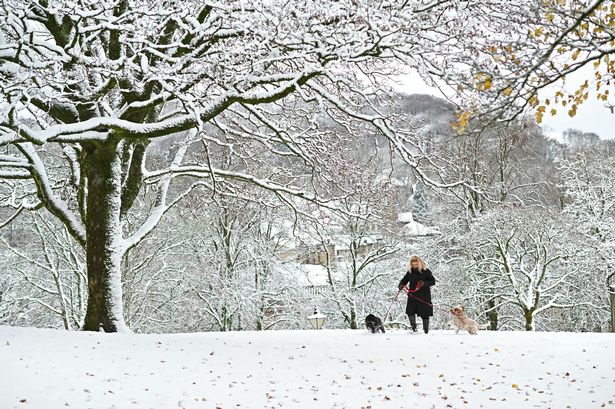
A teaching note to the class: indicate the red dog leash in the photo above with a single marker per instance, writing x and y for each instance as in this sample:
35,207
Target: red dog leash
410,292
393,302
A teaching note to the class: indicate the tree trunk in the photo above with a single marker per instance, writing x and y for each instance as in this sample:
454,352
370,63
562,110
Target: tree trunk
353,319
101,163
529,320
492,315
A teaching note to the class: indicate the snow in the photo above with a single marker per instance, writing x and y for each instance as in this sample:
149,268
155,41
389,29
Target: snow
413,228
312,275
48,369
114,245
405,217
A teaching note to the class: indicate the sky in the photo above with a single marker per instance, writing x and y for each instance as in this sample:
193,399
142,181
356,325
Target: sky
53,369
592,116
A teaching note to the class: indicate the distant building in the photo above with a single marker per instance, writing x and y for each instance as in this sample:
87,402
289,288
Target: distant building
338,249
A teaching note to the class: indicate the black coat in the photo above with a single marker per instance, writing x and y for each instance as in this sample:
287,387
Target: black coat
419,301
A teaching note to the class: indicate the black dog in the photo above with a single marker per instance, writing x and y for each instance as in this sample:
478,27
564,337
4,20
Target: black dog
374,324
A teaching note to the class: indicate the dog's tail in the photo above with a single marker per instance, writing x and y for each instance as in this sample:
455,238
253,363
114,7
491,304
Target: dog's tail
483,326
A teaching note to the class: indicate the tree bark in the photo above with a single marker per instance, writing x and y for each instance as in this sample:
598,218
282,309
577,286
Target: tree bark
353,318
529,320
102,165
492,315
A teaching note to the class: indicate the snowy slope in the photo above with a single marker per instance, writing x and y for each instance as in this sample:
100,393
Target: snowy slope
48,369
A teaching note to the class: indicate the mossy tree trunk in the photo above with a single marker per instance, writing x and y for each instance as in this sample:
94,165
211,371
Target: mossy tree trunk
101,163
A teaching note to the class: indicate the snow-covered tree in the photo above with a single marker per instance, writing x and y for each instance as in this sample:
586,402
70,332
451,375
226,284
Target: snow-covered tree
85,87
229,263
357,241
51,272
588,184
526,264
521,47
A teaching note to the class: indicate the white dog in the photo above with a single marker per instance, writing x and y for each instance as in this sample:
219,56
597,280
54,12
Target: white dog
461,322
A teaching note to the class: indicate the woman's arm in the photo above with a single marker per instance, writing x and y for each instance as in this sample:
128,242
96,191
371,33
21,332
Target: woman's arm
404,280
429,278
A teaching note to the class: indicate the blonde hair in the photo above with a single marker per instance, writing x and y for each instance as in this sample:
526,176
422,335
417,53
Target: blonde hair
422,265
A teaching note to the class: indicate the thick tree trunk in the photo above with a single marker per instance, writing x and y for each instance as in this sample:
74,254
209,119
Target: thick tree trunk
103,231
529,320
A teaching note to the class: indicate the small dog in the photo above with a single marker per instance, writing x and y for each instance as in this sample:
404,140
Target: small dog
374,324
461,322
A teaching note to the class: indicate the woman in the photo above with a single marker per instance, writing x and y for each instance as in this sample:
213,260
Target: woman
419,280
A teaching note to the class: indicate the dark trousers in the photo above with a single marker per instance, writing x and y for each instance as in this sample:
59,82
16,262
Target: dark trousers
413,323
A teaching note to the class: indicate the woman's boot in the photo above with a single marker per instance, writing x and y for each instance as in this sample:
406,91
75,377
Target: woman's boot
426,325
412,322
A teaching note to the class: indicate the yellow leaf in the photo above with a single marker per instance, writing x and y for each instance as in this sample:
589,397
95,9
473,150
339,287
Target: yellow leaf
553,112
539,117
515,386
483,81
533,101
507,91
462,121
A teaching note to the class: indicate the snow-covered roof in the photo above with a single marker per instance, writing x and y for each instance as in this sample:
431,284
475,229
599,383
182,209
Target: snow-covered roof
405,217
418,229
413,228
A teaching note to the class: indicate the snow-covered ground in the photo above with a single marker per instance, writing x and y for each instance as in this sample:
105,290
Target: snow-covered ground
48,369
